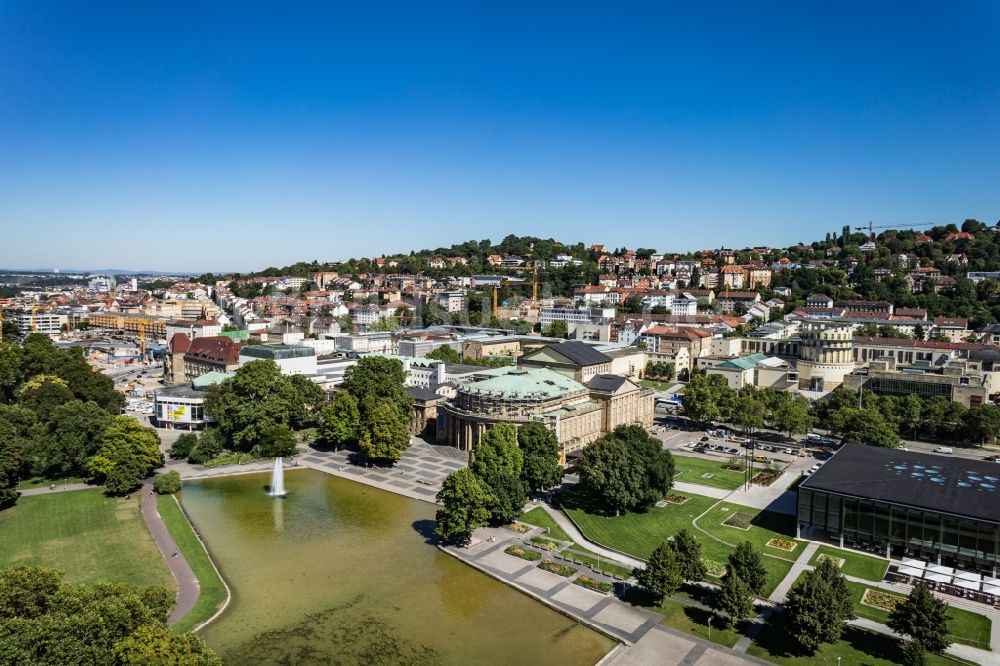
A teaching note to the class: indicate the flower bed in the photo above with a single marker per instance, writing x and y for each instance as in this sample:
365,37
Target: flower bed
523,553
593,584
520,528
878,599
738,520
713,568
556,568
676,499
837,561
544,544
765,478
782,544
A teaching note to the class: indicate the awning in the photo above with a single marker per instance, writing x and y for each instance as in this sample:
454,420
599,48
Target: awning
913,564
969,576
937,577
967,584
938,569
991,589
911,571
991,581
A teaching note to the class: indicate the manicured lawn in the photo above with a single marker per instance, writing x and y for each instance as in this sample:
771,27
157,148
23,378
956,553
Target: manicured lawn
694,620
90,537
964,626
638,534
691,469
659,386
581,555
29,484
766,525
856,647
212,590
539,518
855,564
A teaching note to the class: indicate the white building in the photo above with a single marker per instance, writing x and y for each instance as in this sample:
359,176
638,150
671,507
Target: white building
47,323
293,360
452,301
193,328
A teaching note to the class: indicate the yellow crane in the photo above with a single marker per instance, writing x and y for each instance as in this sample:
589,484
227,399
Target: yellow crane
496,300
142,340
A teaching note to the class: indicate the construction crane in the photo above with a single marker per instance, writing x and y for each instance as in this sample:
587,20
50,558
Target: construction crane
142,340
871,228
494,306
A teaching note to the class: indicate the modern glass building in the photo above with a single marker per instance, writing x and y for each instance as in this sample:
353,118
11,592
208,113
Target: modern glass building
935,508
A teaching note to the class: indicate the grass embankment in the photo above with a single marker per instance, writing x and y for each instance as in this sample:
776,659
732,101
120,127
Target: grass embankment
540,518
692,470
213,591
90,537
854,564
638,534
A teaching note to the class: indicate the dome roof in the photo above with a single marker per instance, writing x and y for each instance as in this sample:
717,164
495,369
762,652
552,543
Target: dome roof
988,354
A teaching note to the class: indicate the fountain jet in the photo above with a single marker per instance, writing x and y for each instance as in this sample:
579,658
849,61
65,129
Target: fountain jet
278,479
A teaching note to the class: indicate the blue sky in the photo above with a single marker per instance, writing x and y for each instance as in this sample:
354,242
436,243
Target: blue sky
233,136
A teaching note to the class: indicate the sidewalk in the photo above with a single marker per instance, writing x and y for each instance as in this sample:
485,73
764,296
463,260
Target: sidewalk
45,490
187,584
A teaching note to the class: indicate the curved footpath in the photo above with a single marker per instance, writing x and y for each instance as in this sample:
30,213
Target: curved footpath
187,584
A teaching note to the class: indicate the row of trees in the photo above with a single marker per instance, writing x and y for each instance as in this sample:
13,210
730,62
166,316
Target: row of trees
508,463
59,418
659,370
708,399
44,620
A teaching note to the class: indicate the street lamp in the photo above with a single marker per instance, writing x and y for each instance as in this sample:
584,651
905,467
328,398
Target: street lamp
710,633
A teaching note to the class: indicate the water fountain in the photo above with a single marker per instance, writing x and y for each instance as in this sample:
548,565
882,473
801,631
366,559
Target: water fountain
278,479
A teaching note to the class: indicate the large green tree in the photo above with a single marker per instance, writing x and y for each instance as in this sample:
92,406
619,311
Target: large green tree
818,606
375,379
612,475
43,393
704,398
498,452
465,505
689,559
127,454
865,426
924,618
256,398
384,433
68,435
662,573
17,426
793,415
340,420
735,599
748,565
541,468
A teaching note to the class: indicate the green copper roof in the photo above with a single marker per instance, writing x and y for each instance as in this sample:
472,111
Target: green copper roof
744,362
211,378
538,383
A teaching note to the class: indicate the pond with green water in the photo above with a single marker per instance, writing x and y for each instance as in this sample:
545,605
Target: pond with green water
342,573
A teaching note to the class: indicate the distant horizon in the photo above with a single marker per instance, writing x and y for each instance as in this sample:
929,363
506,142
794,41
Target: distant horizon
255,136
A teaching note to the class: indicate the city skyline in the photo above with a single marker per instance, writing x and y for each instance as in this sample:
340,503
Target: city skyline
254,138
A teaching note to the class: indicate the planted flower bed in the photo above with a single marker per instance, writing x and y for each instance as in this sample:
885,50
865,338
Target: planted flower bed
593,584
878,599
521,528
556,568
739,520
782,544
713,568
523,553
676,499
765,478
544,544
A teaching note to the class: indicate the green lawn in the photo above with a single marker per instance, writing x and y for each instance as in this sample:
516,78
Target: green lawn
765,525
856,647
213,590
540,518
694,620
90,537
964,626
581,555
855,564
38,482
639,533
659,386
691,469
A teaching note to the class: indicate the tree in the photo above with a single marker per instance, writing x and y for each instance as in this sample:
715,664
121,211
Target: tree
508,497
309,399
43,393
865,426
540,449
498,453
384,433
246,405
688,556
662,574
557,329
374,379
981,424
465,506
703,398
340,420
613,476
735,599
793,416
183,446
17,428
276,441
445,353
748,565
167,484
387,323
818,606
153,645
127,454
910,413
924,618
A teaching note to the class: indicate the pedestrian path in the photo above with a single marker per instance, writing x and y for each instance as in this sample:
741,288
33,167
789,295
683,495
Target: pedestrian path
801,564
59,487
187,584
576,535
698,489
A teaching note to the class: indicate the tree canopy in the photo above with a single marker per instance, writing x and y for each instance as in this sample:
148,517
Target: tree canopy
818,606
626,469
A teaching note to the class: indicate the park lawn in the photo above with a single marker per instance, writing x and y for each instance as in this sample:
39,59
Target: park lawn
540,518
41,482
855,564
765,525
694,620
964,626
856,647
653,384
90,537
212,591
581,555
690,470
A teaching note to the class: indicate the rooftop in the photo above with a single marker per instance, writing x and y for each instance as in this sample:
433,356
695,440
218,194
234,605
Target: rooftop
511,382
937,483
277,352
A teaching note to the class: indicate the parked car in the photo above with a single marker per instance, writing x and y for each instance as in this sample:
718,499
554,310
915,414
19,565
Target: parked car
943,449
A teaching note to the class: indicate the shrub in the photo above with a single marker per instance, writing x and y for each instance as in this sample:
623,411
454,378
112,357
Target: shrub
593,584
544,544
523,553
167,484
558,569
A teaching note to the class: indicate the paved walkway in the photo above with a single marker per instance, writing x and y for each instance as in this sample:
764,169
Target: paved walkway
187,584
698,489
801,564
46,490
569,528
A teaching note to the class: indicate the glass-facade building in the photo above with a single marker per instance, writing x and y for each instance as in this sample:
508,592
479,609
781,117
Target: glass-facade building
907,505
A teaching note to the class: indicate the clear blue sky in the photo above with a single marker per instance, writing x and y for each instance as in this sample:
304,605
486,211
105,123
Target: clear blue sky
232,136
